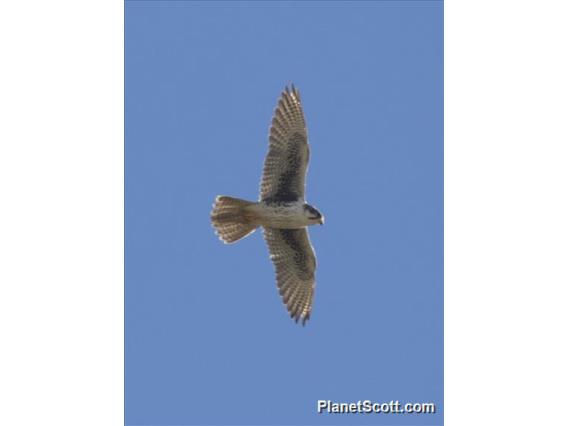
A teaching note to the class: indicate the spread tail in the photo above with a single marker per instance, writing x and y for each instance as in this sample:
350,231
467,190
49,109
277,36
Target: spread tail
231,219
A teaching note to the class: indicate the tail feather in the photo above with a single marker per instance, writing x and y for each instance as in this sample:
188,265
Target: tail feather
231,219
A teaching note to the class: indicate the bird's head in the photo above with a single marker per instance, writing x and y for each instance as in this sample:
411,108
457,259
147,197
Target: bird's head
313,215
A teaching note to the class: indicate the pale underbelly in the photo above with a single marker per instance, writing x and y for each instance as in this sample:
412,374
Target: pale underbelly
288,217
283,223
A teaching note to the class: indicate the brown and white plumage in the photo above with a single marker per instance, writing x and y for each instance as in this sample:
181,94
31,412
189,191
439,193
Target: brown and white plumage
295,264
281,210
286,164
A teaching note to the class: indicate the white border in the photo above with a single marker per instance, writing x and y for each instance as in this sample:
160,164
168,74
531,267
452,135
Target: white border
506,210
61,214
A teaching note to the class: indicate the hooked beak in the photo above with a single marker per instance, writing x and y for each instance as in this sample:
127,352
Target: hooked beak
321,221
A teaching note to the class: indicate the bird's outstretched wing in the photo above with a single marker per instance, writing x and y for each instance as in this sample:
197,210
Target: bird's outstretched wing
284,173
295,263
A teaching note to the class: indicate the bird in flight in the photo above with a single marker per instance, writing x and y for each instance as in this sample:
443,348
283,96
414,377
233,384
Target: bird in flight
281,210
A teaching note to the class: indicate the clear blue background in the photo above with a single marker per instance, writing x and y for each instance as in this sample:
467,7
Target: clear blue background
208,340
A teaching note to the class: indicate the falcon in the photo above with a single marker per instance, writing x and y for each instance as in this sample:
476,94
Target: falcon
281,210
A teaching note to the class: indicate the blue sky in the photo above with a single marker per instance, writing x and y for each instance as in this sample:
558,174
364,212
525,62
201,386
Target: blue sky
208,340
